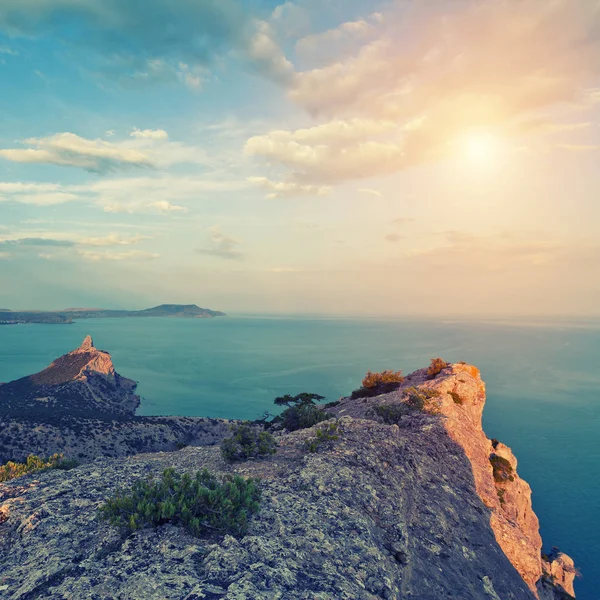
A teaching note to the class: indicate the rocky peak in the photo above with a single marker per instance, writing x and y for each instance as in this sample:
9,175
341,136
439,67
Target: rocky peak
87,344
83,380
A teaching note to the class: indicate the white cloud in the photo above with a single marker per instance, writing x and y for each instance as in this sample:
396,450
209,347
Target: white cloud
320,46
112,239
334,151
144,148
130,255
18,187
283,189
336,132
221,245
40,194
157,194
68,149
371,192
267,56
152,134
436,71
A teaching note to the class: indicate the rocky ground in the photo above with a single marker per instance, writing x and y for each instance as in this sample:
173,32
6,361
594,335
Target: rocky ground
406,510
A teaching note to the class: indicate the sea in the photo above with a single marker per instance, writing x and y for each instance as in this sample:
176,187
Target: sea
542,378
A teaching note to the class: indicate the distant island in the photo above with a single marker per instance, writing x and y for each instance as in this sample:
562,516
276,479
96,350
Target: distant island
66,316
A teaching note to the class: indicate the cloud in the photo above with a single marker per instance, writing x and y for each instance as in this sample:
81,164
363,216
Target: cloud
112,240
130,255
282,189
402,221
335,42
68,149
493,59
153,41
336,132
36,242
502,253
371,192
152,134
160,206
266,55
148,149
335,151
159,194
221,245
393,237
434,72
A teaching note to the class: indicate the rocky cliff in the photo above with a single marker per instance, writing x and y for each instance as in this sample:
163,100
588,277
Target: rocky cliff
516,527
80,406
425,508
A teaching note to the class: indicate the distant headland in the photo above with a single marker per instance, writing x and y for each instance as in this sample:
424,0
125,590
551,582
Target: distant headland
68,315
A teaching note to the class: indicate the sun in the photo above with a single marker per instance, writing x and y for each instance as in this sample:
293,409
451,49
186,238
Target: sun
480,147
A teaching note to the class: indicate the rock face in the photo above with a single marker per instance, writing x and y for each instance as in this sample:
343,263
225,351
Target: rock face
516,527
82,407
386,511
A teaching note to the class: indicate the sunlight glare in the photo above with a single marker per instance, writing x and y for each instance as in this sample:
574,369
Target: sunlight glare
481,147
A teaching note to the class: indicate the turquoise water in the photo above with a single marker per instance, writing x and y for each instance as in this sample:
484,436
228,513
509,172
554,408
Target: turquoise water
543,386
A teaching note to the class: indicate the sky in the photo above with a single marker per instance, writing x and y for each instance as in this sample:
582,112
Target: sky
385,158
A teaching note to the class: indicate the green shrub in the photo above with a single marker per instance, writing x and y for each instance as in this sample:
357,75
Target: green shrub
419,399
200,504
436,366
390,413
456,397
302,412
11,469
503,470
247,442
323,435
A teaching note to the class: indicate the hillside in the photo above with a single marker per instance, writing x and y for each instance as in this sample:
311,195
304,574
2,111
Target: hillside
425,507
188,311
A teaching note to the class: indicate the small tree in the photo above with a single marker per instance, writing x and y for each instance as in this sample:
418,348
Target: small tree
301,411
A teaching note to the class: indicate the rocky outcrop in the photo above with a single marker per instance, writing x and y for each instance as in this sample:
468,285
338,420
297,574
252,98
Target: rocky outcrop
508,497
82,383
81,407
386,511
